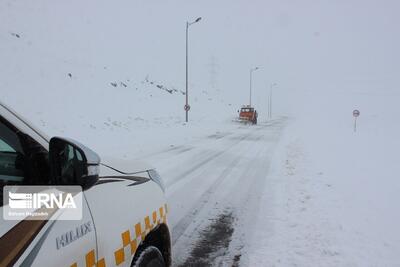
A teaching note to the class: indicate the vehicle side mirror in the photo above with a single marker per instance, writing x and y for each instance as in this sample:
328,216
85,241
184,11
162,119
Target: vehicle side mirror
72,163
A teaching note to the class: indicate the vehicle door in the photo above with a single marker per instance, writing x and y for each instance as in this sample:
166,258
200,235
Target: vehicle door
24,161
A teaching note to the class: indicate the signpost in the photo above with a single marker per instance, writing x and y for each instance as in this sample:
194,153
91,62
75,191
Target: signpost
356,113
187,107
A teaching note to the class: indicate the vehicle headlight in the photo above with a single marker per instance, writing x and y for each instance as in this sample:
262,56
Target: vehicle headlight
153,174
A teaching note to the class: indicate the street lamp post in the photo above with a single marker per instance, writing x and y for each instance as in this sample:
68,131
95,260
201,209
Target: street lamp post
251,79
187,66
270,101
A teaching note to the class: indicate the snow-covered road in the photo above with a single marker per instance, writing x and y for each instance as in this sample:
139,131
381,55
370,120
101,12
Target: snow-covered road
213,187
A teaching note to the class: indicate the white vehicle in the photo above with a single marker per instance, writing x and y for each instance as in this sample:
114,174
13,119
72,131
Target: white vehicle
124,207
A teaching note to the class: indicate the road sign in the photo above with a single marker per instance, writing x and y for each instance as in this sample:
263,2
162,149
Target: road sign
186,107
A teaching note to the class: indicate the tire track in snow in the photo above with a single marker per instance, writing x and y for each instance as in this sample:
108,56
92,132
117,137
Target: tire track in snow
240,192
183,224
186,220
200,164
179,149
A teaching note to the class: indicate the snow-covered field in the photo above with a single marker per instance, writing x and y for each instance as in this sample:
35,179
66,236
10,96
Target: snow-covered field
301,189
332,194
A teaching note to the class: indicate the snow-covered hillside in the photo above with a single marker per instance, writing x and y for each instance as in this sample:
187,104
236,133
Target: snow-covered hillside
84,72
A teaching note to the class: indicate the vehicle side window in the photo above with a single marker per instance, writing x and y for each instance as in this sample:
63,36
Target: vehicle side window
11,157
5,148
23,161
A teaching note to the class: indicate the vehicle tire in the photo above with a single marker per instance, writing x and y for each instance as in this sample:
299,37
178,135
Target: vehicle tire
148,257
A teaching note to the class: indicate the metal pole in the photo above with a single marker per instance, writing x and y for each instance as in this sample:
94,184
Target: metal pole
251,72
355,124
270,101
187,73
270,105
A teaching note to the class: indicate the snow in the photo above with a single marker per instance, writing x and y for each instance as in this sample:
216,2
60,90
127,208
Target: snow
303,189
333,193
90,77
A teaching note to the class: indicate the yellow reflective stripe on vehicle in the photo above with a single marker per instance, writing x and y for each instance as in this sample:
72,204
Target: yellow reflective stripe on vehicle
158,217
90,260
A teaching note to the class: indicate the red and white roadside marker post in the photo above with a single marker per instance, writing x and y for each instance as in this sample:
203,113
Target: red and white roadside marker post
356,113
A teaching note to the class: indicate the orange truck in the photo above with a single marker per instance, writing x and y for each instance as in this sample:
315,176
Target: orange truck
248,114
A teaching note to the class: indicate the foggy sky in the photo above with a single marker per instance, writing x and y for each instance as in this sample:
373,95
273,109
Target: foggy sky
300,45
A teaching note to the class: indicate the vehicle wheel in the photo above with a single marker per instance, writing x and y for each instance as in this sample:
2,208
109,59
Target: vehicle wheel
149,257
